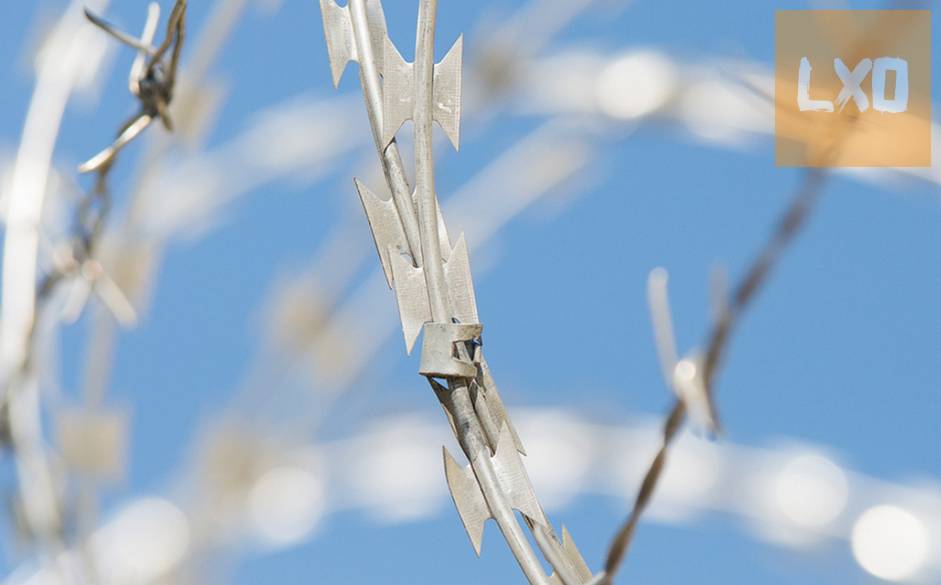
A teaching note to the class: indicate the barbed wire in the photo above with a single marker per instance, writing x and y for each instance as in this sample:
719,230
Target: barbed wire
701,372
151,81
728,325
432,280
791,223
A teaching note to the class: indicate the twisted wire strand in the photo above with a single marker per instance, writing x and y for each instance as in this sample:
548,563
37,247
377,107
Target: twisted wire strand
789,226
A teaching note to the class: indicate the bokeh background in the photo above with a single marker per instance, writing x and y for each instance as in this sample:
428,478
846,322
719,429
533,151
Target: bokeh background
276,430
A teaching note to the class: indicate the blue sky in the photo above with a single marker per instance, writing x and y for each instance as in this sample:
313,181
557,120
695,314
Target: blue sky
840,351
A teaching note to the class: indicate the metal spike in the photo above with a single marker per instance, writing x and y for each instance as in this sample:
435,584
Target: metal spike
468,499
461,283
114,299
569,565
658,299
690,387
563,573
495,405
117,34
92,278
412,295
387,231
338,30
575,558
514,483
146,39
341,40
398,104
447,93
514,480
398,88
93,441
683,376
75,300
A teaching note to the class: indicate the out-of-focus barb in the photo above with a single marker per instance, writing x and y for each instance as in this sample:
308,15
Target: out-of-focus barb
151,81
691,378
683,376
152,77
95,438
696,378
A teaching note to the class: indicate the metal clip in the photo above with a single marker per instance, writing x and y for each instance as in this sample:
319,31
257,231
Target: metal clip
439,352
